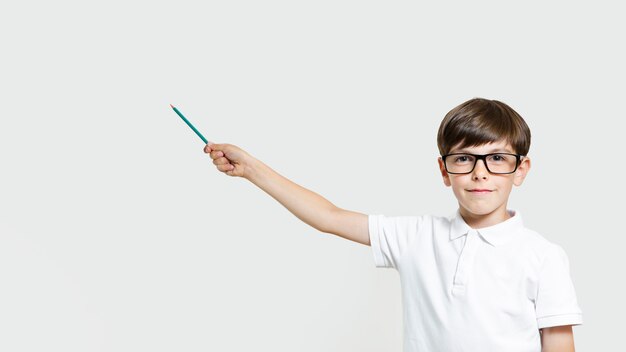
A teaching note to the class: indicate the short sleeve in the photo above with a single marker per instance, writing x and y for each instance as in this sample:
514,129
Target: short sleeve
390,237
556,303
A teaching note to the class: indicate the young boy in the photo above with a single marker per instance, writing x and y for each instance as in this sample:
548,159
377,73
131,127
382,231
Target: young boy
478,282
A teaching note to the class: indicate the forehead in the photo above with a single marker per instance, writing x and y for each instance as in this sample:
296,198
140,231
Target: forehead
493,147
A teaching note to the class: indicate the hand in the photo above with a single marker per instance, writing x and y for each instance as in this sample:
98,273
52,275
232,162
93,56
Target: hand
230,159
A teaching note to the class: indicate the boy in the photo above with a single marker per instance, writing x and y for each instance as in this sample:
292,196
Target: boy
478,282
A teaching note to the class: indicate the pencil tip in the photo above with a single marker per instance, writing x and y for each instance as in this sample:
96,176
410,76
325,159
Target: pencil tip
172,106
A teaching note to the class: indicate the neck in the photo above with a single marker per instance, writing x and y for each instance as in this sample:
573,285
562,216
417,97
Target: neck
478,221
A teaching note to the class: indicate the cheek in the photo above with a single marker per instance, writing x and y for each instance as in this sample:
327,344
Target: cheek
458,184
505,185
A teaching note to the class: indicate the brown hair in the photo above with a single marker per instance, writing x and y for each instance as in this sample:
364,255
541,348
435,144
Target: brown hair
480,121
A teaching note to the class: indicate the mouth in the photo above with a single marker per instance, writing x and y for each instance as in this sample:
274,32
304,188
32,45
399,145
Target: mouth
479,191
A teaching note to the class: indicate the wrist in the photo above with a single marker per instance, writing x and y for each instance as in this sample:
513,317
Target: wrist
252,169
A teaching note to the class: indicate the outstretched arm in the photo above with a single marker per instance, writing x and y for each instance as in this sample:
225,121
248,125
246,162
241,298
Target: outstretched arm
306,205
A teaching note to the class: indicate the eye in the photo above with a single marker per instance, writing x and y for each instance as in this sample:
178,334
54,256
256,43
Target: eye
462,158
499,157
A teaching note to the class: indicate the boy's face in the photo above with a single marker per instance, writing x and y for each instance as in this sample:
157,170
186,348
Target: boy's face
493,202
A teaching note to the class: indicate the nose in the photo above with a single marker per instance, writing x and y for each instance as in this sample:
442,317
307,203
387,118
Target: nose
480,170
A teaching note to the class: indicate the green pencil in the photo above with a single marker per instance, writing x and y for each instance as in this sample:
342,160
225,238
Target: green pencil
189,124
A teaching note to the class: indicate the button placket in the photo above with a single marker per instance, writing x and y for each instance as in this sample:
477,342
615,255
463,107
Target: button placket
465,263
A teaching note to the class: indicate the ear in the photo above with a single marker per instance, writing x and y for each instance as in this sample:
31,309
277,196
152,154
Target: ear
444,173
522,171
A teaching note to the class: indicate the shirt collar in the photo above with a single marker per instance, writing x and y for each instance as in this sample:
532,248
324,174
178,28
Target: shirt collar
496,235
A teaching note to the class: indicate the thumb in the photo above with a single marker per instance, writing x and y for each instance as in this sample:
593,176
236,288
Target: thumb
210,146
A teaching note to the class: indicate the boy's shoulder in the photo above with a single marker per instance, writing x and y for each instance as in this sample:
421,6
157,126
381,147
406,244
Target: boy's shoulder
538,242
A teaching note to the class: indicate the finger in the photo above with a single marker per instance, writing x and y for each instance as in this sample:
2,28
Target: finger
216,154
221,161
225,167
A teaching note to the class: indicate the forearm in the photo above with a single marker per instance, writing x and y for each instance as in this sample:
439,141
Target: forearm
306,205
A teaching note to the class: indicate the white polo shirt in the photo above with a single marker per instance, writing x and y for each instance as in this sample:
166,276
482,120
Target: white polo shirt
465,289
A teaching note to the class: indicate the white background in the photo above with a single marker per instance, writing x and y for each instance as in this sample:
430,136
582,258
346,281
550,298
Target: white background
117,233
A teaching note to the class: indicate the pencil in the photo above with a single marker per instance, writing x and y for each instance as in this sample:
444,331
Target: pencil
189,124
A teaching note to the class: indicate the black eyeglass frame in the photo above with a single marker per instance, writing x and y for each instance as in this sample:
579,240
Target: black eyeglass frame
483,157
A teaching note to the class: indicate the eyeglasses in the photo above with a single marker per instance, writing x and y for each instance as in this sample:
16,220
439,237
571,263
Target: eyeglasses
496,163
